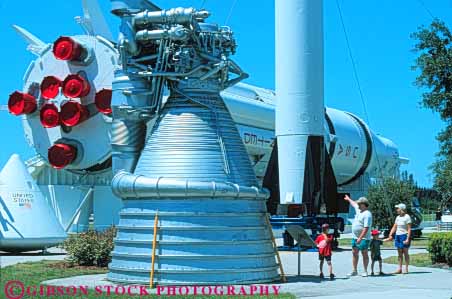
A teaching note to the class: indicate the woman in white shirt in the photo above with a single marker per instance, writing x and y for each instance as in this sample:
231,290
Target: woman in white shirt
402,239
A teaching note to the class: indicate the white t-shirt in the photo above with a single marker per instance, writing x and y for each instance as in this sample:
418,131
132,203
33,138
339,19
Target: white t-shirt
402,224
362,219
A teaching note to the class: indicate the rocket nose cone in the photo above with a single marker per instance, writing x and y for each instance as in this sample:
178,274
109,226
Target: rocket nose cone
15,174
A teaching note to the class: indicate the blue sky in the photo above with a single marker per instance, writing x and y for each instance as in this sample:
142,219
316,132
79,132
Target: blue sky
379,35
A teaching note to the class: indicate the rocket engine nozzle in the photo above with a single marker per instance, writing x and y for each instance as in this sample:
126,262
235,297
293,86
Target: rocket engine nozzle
60,155
21,103
50,87
49,115
103,101
73,113
65,48
75,86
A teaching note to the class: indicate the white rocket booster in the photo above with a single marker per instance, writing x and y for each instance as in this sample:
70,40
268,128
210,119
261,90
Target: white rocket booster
299,90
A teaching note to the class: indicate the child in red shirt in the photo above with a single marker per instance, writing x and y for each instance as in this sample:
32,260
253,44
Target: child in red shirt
324,244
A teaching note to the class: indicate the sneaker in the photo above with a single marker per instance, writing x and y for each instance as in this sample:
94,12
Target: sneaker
332,276
372,273
322,276
354,273
364,274
381,274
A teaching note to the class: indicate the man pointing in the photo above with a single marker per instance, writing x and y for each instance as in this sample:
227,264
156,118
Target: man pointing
361,233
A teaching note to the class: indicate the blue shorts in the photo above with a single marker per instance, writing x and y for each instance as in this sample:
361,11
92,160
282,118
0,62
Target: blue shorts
363,245
398,241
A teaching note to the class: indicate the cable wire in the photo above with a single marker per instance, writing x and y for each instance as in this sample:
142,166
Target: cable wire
361,94
350,54
230,12
429,12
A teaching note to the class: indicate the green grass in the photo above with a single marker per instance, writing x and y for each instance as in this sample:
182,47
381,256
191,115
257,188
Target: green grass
33,273
418,260
418,243
428,217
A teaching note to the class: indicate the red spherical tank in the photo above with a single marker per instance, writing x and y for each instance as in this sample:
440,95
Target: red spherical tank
65,48
103,101
75,86
73,113
61,155
50,87
21,103
49,116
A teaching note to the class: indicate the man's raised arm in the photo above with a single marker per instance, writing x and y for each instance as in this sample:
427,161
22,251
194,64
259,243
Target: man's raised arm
351,201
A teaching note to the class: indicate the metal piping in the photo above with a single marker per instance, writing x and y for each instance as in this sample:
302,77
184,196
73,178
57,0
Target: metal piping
175,15
126,185
176,33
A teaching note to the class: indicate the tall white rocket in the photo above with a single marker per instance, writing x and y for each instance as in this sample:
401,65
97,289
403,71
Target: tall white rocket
299,91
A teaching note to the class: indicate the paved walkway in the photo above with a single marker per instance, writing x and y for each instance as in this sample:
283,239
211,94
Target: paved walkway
8,259
420,283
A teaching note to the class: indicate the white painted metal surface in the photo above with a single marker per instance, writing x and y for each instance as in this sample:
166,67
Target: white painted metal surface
254,115
299,89
27,222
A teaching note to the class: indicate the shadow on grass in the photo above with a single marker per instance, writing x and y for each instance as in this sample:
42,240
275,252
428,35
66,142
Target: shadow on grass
30,253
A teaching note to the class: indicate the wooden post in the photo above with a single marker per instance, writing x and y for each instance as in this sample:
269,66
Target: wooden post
283,276
154,243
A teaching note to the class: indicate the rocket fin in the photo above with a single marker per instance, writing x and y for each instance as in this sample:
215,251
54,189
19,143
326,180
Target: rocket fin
35,45
93,20
271,180
27,222
15,174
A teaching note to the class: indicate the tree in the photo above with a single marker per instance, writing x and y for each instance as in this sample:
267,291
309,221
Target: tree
434,47
385,195
443,179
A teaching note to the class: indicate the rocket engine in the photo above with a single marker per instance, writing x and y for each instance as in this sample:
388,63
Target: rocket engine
193,173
